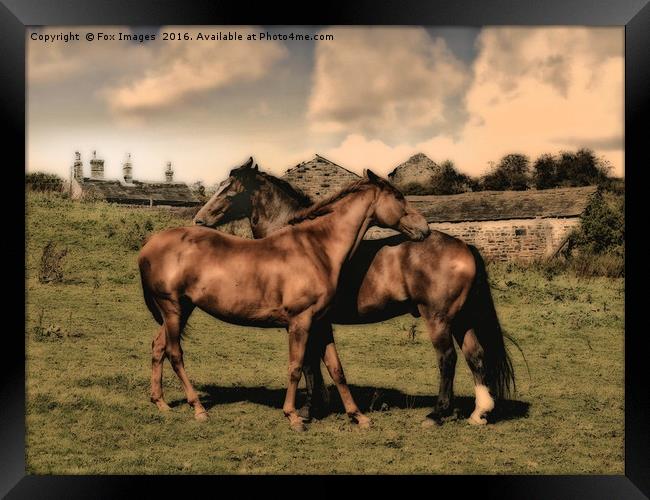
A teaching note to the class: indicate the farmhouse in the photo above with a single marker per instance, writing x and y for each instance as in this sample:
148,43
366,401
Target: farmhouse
127,190
503,225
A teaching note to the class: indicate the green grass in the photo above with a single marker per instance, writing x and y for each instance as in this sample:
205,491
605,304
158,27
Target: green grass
88,409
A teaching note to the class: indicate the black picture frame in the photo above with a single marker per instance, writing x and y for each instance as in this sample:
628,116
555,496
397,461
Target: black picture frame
15,15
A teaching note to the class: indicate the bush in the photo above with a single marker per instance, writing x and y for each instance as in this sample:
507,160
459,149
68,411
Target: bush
198,190
135,234
52,331
602,227
590,265
51,268
91,195
450,181
41,181
597,248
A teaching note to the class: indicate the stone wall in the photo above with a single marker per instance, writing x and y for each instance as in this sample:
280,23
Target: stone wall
504,240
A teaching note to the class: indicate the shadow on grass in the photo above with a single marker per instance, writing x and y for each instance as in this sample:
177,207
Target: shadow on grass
369,399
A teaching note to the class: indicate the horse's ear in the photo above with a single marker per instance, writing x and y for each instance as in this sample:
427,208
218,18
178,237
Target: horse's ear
371,175
249,163
256,167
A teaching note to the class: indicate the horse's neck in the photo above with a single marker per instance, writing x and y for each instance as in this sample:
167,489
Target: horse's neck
342,230
272,209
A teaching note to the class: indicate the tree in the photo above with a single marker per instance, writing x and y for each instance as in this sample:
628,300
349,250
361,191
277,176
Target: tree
40,181
199,190
545,172
581,168
511,173
450,181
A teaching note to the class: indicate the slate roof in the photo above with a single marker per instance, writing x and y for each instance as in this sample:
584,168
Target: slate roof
140,193
500,205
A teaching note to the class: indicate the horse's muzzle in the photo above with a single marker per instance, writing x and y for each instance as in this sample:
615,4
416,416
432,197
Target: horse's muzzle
414,226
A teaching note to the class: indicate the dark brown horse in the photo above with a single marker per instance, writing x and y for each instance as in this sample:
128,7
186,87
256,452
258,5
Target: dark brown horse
286,279
441,279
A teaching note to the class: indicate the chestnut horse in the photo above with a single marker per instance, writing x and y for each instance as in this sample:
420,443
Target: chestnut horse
285,279
441,279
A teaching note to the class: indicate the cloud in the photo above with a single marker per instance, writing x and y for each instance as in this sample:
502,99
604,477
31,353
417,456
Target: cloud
185,68
533,90
379,80
45,66
60,61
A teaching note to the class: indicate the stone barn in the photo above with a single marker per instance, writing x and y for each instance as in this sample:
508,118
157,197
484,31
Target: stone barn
127,190
319,177
509,225
418,169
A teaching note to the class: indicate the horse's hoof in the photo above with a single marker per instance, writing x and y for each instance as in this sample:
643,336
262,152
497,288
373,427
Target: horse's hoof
361,420
162,406
364,424
477,420
304,413
430,422
298,427
201,417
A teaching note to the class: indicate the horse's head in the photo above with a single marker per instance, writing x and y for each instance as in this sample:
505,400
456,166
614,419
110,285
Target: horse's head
394,212
232,199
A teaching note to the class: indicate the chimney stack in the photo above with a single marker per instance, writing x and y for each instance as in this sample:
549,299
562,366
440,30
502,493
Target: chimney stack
77,167
96,167
127,169
169,173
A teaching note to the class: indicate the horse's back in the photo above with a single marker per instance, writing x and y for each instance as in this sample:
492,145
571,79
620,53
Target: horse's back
170,257
437,268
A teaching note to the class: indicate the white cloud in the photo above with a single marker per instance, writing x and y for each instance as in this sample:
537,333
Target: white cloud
60,61
533,91
376,80
184,68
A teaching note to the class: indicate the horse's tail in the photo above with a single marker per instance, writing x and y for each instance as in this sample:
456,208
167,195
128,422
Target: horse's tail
482,316
144,265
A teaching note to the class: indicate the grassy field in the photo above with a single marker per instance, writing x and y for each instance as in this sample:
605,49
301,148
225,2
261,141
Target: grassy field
88,344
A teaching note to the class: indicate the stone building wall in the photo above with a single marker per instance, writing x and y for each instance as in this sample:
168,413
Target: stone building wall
418,169
319,177
504,240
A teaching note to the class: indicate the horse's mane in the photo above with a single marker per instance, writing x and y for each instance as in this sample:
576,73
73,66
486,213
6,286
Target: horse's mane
296,194
324,207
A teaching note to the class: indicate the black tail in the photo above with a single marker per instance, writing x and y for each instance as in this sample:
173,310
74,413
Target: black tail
499,373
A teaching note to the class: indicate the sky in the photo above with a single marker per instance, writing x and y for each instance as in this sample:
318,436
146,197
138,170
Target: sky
368,98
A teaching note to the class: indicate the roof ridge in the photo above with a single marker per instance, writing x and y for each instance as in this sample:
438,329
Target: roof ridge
321,157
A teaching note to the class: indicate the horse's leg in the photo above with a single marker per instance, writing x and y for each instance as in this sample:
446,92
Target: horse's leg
157,359
298,330
474,355
335,369
316,400
175,323
443,343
